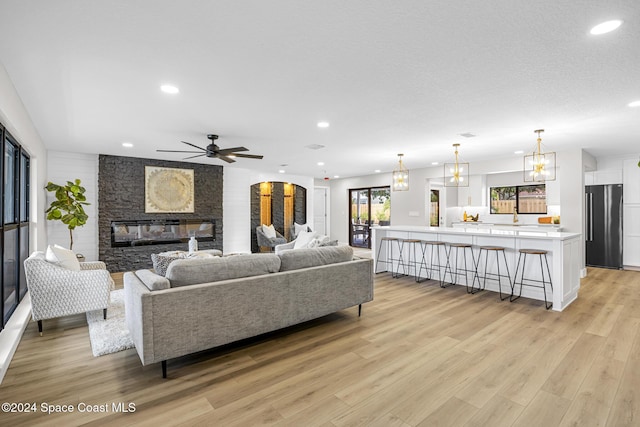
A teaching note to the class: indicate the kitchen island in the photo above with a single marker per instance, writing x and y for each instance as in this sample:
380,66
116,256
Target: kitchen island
564,254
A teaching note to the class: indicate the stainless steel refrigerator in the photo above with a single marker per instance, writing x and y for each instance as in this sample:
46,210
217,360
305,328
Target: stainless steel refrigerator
603,231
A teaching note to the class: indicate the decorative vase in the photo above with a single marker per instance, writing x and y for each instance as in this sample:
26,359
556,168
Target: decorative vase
193,245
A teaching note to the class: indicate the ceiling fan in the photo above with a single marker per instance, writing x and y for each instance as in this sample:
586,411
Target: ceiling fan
215,152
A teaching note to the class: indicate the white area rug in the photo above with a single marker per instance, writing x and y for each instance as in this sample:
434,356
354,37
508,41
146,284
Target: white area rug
111,335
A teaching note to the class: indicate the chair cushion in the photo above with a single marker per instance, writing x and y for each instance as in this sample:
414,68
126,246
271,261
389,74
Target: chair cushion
269,231
62,257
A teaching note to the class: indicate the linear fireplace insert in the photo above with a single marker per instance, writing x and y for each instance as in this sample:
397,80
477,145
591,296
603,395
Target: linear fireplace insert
155,232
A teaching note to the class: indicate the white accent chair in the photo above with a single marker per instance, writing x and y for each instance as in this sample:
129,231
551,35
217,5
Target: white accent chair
56,291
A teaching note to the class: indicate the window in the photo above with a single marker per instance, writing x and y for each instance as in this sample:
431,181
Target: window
527,199
14,224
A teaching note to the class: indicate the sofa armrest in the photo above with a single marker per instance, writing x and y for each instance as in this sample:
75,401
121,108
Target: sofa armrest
139,316
93,265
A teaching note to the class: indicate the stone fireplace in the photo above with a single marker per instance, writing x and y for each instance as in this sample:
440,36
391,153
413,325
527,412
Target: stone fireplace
121,204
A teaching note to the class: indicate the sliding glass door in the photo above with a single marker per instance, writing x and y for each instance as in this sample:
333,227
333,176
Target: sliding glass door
369,207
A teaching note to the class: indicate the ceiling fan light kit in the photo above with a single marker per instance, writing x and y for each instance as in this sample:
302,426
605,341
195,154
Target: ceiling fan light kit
215,152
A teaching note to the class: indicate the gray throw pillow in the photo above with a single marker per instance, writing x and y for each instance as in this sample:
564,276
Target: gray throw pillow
161,263
329,243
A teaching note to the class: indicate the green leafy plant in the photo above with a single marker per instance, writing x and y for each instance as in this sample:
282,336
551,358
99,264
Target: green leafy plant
68,206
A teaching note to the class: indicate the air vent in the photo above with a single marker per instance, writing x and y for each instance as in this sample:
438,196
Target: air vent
314,146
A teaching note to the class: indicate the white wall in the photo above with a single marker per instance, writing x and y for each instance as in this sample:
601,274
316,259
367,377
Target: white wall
63,167
15,118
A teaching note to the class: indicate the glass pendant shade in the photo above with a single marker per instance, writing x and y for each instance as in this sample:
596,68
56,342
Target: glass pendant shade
456,174
400,176
539,166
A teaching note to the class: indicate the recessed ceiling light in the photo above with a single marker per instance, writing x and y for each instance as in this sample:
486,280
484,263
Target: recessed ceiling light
467,135
435,163
169,89
634,104
336,176
519,152
314,146
127,144
377,171
320,163
323,124
606,27
281,171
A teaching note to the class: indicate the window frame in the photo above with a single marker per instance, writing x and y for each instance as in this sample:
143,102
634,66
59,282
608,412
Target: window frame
518,189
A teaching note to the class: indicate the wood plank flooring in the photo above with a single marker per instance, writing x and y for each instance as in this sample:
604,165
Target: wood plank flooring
419,356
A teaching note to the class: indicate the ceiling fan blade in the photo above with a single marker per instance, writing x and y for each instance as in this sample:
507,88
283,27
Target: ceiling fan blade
193,145
248,156
176,151
225,158
192,157
231,150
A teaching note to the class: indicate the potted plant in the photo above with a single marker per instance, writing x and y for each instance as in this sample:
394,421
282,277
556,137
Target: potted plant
68,206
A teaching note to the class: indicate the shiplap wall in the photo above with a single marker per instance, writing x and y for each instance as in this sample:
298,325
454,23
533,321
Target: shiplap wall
63,167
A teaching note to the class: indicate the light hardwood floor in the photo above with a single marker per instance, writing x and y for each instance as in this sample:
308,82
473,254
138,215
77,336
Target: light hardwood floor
419,356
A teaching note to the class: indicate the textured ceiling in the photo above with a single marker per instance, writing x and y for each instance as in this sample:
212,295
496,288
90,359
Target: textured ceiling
390,77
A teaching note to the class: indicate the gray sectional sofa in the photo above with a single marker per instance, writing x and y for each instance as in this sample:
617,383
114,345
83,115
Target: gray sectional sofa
204,303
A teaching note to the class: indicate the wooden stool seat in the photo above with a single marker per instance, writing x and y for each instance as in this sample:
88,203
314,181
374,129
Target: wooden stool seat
492,248
533,251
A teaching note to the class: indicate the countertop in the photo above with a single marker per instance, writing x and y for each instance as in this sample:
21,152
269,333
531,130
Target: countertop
475,231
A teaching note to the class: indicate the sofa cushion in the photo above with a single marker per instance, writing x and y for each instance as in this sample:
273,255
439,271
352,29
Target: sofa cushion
313,257
153,281
191,271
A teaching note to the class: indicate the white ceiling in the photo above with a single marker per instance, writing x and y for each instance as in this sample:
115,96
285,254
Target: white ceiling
389,76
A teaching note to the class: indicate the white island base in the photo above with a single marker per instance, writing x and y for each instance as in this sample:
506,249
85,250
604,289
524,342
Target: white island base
564,254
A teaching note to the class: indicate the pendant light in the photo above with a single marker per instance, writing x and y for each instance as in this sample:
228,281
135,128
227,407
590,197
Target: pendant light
456,174
400,176
539,166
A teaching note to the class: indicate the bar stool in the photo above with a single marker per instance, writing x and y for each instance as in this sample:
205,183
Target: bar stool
436,246
542,254
492,276
389,254
411,262
457,269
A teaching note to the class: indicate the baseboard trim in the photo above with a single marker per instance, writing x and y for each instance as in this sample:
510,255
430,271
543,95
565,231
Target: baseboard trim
12,333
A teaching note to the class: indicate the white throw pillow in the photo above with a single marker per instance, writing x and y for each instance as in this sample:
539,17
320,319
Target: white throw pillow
269,231
62,257
299,228
303,239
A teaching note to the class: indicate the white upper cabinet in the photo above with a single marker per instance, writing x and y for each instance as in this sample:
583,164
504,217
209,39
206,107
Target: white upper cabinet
475,194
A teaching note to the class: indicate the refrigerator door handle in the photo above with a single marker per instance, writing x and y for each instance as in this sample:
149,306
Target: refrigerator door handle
591,217
586,223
